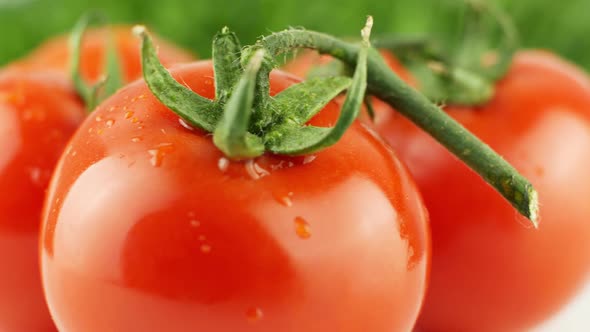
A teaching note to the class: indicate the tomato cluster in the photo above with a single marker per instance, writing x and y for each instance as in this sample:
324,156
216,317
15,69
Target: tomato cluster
148,225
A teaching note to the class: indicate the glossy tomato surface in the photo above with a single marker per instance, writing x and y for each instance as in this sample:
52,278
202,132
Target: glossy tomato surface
54,54
490,270
38,114
147,227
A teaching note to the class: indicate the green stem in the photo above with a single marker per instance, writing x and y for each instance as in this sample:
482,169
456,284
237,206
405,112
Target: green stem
107,85
386,85
226,63
231,134
197,110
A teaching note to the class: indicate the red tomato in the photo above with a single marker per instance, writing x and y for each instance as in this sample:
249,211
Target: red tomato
489,271
38,114
147,227
54,54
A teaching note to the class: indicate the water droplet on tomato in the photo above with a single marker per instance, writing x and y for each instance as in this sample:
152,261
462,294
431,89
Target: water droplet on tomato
308,159
302,228
285,199
205,248
128,114
254,314
35,175
136,139
134,120
223,164
156,157
185,124
195,223
157,154
254,170
98,118
110,123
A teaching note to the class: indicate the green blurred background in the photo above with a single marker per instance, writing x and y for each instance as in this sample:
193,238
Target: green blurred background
562,26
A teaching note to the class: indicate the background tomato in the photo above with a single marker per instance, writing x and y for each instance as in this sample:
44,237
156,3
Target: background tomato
148,227
490,272
54,53
39,112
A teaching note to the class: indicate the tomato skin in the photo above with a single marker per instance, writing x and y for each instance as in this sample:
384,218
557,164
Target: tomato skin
38,114
54,53
489,272
143,231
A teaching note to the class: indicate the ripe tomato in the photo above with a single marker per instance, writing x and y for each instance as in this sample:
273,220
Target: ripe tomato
54,54
38,114
147,227
489,272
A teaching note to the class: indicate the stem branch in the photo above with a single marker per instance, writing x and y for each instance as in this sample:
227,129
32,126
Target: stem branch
385,84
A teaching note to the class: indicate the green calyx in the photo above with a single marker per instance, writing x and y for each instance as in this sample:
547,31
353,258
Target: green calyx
111,81
244,119
464,74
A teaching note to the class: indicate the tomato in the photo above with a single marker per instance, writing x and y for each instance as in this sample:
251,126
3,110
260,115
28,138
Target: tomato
54,53
147,227
38,114
489,272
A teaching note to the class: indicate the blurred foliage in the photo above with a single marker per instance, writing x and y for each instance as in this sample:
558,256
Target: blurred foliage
562,26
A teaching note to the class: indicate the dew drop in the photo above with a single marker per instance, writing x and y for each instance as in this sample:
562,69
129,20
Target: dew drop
185,125
136,139
100,131
98,118
140,96
156,157
223,164
308,159
128,114
195,223
112,109
205,248
254,314
35,175
157,154
285,199
254,170
110,123
302,228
